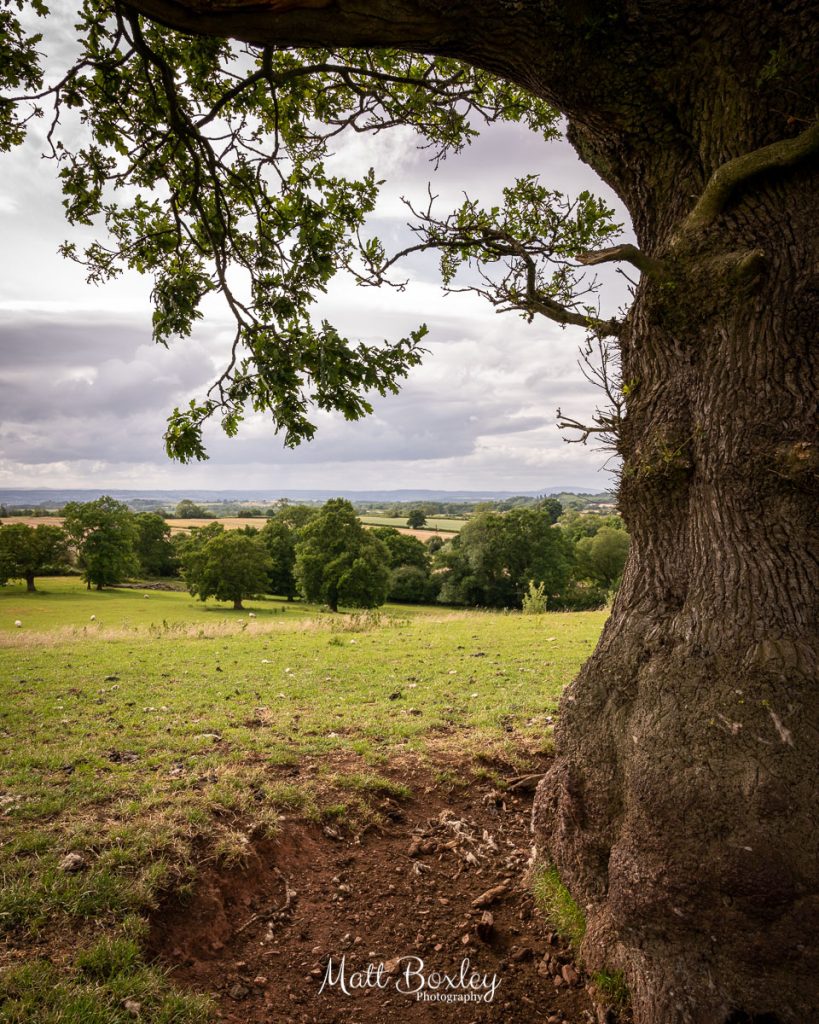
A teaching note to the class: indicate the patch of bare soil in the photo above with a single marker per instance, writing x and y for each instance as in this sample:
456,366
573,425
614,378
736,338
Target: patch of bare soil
434,899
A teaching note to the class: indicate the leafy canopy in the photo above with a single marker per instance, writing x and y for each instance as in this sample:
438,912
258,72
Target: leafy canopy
206,163
339,562
104,534
226,564
25,551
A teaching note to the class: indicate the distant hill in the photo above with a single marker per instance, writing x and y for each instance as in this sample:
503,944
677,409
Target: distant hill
52,497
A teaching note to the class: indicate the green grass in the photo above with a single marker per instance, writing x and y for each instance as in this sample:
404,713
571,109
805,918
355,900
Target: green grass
613,989
558,907
64,602
432,523
168,723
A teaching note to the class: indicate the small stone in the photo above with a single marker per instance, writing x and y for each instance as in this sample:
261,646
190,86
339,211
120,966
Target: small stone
391,966
238,991
521,954
465,938
486,926
260,980
491,895
570,975
415,846
72,863
558,981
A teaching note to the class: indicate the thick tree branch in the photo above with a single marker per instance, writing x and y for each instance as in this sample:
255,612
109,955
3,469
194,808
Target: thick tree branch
628,253
412,25
727,180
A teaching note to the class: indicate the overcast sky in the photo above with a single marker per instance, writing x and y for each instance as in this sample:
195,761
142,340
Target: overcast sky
85,392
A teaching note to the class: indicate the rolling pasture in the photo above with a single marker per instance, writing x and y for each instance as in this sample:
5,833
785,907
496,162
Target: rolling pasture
162,733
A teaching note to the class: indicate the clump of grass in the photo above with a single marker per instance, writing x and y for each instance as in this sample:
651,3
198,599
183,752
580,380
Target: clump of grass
286,796
378,785
613,989
108,958
233,849
358,622
558,906
104,978
534,600
449,780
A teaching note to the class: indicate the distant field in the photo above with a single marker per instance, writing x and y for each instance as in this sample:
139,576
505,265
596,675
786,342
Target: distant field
33,520
432,525
176,525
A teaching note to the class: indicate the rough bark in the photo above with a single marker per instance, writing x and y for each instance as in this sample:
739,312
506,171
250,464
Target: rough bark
237,604
681,809
30,588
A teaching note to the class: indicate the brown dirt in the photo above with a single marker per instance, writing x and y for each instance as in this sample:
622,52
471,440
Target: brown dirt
403,888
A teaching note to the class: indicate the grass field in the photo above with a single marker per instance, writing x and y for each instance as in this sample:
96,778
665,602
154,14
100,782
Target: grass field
237,522
432,524
166,728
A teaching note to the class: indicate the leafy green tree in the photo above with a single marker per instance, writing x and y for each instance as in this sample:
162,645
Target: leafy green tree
586,524
403,548
551,506
411,579
187,509
279,537
227,565
295,516
416,518
410,584
339,562
206,161
602,558
104,534
434,544
153,545
492,560
25,551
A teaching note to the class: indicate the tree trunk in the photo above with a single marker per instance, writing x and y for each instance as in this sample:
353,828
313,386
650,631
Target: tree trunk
30,588
237,604
681,810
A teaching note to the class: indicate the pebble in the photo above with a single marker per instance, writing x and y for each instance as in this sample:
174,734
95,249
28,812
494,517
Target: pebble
72,862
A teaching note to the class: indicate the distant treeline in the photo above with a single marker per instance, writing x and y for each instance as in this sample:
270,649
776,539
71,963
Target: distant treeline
535,556
188,509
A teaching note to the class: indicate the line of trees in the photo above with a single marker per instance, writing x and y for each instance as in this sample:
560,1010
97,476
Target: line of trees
102,539
326,556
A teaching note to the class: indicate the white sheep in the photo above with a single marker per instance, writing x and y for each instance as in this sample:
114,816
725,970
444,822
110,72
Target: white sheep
18,623
251,615
93,618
